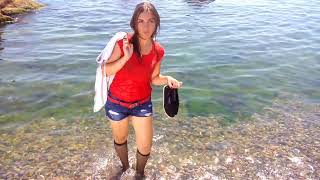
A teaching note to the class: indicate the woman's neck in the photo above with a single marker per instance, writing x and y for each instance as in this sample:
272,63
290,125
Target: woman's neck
145,42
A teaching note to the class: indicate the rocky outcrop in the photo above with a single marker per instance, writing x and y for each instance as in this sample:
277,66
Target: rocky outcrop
8,8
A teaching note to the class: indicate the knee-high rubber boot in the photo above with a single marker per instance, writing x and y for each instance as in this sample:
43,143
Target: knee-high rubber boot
122,152
141,163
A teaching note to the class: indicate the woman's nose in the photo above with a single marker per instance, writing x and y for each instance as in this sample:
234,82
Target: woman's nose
146,24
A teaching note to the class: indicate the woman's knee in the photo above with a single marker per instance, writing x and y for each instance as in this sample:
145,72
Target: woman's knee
120,139
144,149
120,136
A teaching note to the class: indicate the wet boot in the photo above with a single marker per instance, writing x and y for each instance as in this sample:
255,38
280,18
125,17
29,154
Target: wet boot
141,163
122,152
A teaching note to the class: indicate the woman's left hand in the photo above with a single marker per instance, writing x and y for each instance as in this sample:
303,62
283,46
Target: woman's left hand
173,83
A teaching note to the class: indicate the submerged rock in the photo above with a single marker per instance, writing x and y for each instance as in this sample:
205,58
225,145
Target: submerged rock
8,8
5,19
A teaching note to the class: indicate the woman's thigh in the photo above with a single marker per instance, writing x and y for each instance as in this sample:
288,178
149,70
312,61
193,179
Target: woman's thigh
143,128
120,130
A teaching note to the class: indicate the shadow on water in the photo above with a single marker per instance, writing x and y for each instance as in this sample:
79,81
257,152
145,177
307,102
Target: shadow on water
1,42
199,3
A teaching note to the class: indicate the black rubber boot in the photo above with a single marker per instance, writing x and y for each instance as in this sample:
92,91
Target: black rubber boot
122,151
141,163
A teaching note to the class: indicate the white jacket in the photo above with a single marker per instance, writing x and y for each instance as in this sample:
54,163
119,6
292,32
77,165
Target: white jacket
103,83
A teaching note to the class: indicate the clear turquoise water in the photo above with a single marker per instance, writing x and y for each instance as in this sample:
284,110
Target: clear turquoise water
233,57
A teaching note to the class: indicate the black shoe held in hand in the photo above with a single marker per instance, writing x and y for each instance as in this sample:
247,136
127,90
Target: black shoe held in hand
170,101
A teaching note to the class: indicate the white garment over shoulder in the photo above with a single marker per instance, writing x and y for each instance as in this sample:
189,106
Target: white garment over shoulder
102,82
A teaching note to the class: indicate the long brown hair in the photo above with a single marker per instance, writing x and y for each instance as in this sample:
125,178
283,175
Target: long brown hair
142,7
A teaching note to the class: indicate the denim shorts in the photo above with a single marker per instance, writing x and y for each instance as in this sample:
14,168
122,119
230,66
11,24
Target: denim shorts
117,112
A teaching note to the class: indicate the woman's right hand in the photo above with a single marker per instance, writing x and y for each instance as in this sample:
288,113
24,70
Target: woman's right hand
127,48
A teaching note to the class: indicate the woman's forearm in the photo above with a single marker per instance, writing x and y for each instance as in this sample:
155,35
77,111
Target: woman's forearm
159,80
115,66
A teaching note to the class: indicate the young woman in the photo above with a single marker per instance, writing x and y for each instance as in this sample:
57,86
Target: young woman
136,61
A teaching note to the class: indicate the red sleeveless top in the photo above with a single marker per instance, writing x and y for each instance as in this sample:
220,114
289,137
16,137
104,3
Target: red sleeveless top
133,81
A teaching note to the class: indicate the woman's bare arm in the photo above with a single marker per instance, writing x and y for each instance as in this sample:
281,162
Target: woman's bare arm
115,62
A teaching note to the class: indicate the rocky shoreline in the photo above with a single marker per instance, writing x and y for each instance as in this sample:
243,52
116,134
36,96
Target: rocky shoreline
9,8
282,142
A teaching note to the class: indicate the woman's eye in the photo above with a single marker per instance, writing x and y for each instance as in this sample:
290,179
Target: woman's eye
140,21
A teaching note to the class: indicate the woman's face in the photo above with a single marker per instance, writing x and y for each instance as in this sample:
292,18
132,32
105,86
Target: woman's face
146,24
